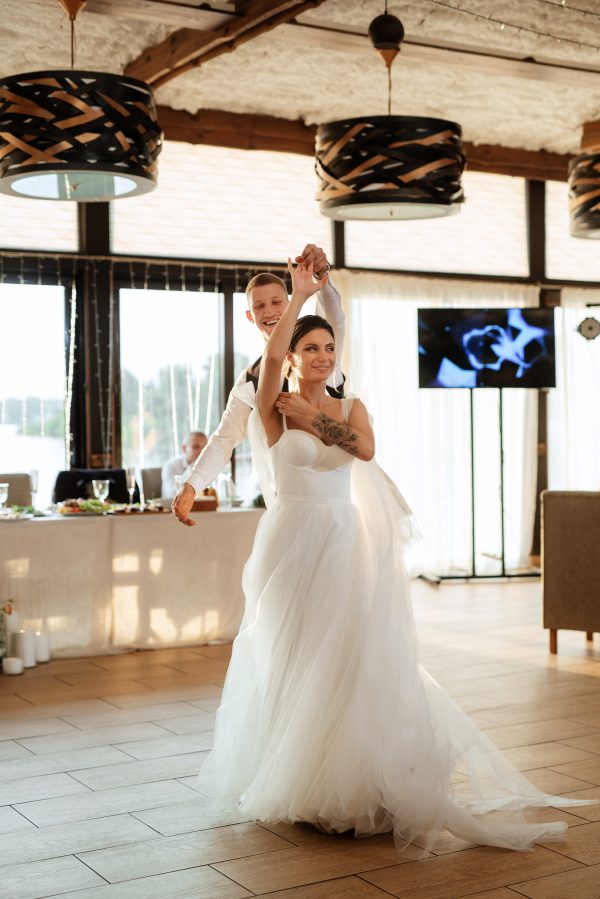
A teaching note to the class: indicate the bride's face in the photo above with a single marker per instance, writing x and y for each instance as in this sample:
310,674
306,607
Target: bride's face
313,357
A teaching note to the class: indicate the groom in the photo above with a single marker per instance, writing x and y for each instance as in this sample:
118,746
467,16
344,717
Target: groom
267,298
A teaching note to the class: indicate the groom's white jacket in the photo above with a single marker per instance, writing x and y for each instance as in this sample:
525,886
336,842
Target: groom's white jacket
233,426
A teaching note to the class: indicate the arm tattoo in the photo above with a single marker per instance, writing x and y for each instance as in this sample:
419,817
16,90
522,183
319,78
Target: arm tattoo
338,432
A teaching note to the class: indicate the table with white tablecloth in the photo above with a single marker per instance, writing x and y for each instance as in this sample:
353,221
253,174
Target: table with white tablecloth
101,584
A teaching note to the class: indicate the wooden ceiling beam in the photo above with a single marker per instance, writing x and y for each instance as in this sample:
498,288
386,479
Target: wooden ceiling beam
175,14
188,48
539,165
307,31
241,131
261,132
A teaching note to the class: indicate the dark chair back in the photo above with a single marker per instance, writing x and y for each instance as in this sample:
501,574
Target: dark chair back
77,482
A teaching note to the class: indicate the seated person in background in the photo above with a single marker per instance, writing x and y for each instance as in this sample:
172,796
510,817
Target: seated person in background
181,465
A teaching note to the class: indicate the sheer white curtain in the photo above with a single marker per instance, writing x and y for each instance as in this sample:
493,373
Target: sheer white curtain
423,435
573,408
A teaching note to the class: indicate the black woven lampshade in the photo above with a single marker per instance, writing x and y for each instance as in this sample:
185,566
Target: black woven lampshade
71,135
389,167
584,195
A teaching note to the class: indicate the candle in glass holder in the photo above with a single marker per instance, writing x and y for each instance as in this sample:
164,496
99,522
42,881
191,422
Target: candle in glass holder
42,647
12,665
26,648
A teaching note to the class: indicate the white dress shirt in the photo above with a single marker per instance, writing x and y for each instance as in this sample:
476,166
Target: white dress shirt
178,466
233,426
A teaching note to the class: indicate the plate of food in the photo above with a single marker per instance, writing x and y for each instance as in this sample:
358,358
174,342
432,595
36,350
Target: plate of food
135,508
15,514
79,507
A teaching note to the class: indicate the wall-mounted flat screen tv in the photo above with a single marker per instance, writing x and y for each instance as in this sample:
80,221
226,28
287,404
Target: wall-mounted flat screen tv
486,348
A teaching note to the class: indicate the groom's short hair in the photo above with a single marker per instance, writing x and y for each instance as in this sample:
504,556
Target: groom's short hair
264,278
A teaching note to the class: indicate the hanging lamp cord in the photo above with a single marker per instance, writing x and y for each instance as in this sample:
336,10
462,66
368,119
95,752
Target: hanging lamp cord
72,42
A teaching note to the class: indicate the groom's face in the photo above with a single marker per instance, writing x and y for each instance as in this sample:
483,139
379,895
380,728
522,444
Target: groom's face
267,304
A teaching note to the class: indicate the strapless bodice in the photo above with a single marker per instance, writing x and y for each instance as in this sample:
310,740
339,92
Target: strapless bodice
306,470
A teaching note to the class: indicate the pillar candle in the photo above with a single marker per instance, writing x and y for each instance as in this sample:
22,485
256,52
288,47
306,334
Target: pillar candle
42,647
12,665
26,648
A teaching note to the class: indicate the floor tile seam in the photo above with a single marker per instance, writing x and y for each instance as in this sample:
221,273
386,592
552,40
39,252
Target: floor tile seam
18,742
149,758
232,879
555,766
92,817
376,885
36,777
137,783
212,864
562,853
97,873
581,867
22,698
77,852
592,752
174,732
94,746
134,815
124,751
266,830
114,705
156,721
19,812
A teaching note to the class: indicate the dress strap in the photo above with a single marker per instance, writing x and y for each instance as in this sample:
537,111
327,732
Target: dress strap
284,420
347,406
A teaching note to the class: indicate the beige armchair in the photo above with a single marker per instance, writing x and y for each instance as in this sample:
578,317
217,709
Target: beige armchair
19,488
571,562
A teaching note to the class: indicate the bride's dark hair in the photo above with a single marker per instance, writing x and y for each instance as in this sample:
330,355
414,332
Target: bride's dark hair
306,324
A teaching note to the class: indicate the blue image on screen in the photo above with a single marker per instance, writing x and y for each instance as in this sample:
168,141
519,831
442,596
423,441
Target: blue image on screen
486,348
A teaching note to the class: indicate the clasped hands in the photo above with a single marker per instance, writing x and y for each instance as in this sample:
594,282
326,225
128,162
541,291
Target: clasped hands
305,282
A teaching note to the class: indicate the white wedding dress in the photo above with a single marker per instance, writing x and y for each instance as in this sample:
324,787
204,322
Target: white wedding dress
326,714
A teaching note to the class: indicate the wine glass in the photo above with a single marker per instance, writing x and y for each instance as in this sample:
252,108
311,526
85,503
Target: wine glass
34,475
130,475
3,496
100,488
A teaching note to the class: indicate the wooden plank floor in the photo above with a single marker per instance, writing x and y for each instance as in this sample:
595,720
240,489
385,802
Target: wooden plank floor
98,760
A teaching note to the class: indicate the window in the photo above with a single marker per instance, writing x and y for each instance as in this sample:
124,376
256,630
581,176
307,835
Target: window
171,371
571,258
216,203
32,383
487,236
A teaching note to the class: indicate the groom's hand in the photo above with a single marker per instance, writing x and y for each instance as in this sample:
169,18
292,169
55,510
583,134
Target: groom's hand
316,255
182,505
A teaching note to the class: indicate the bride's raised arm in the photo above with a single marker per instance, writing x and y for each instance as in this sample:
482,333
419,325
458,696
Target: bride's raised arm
269,381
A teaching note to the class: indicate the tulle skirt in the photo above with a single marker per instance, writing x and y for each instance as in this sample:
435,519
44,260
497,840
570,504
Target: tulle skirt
326,714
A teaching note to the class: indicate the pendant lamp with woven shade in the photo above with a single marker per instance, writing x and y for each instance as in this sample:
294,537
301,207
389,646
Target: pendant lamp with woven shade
389,167
77,135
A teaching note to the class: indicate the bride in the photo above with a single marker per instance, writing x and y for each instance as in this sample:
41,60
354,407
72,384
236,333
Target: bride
326,715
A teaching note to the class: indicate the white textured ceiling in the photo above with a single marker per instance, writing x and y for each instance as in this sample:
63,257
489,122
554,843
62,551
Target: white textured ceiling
275,76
